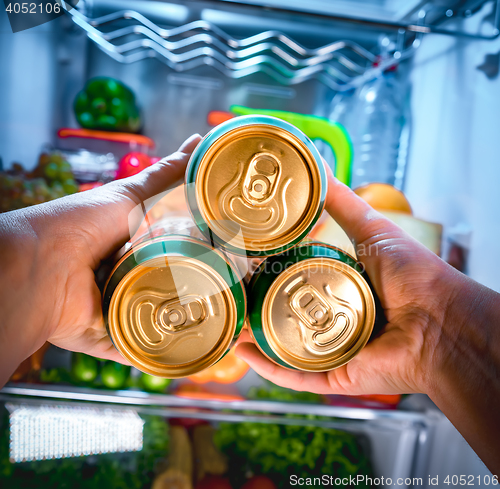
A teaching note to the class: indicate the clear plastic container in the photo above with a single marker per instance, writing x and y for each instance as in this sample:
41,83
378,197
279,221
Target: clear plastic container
376,117
378,112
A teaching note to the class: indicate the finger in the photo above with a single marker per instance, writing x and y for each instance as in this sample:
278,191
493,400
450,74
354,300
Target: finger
291,379
102,348
125,215
97,221
161,176
244,337
190,144
329,172
356,217
109,352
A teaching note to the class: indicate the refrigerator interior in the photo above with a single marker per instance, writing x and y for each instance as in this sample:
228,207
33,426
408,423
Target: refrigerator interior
396,442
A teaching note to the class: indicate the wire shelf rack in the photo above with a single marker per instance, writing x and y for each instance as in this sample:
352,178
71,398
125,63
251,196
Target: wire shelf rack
128,36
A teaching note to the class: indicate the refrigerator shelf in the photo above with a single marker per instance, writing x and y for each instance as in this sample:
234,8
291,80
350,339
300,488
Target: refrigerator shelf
128,36
398,441
172,406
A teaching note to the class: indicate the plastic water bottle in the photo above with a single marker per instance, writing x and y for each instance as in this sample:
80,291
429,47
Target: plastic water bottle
374,116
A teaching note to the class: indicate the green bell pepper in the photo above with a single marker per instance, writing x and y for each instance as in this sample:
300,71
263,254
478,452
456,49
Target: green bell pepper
107,104
114,375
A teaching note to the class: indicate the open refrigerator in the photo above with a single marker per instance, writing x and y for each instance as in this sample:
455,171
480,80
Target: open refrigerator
187,60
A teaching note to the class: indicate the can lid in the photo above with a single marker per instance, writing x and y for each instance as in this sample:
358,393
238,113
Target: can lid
172,314
259,184
317,314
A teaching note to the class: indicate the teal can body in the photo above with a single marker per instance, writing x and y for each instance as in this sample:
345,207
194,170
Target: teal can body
256,185
173,305
311,308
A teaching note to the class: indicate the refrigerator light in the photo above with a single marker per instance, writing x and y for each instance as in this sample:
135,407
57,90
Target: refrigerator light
51,432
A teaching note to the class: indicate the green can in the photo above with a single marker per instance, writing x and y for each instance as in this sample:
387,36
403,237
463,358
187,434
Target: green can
256,185
311,308
173,305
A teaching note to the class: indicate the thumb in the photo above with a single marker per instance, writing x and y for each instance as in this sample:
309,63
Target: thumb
363,224
133,196
382,246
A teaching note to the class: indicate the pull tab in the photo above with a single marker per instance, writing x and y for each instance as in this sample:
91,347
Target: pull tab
174,317
156,318
261,179
325,339
309,305
322,328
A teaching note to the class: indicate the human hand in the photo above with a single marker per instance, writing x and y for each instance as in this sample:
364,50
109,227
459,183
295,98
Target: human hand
415,288
49,253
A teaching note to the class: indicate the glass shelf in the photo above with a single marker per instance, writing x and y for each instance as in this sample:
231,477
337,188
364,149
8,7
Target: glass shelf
173,405
399,440
188,36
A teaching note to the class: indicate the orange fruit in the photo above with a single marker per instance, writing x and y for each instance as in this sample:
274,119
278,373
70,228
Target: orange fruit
227,370
382,196
196,391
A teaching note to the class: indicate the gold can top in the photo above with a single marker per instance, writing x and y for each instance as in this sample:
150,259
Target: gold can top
172,316
259,187
318,314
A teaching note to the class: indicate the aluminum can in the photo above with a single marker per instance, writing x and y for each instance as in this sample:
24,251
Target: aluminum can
311,308
256,185
173,305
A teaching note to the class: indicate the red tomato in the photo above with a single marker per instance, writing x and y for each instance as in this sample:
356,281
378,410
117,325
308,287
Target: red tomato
259,482
131,164
214,482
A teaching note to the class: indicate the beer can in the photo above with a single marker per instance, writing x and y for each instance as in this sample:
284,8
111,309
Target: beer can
173,305
256,185
310,308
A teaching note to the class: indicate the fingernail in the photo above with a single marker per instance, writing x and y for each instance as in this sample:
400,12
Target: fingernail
237,350
241,352
189,141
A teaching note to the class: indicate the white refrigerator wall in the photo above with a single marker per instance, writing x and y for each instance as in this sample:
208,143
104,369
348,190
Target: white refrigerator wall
453,178
27,91
454,167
